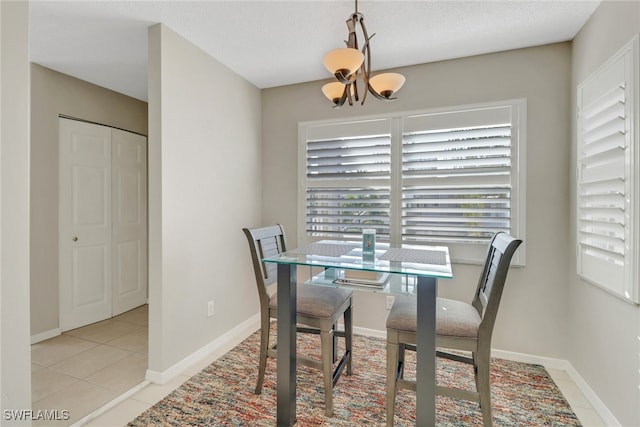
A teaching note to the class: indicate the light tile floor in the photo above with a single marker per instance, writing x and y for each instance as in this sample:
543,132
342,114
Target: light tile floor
85,368
578,401
56,383
128,409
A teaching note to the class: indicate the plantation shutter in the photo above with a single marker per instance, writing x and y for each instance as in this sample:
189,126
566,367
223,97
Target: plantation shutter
607,189
457,176
449,177
347,178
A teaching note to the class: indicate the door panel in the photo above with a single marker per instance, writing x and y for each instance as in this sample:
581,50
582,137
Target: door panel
85,224
130,220
89,186
90,274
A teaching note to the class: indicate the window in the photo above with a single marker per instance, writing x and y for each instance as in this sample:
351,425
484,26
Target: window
607,176
348,170
448,177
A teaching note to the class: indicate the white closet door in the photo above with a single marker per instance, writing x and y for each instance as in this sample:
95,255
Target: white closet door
129,190
103,222
85,224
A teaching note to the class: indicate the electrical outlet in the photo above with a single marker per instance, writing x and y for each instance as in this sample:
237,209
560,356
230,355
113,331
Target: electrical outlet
390,301
210,308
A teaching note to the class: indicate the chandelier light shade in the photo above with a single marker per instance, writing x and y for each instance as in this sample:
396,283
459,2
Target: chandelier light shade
386,84
333,91
348,63
343,62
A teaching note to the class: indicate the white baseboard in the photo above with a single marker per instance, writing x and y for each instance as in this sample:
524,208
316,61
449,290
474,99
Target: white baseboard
598,405
236,334
42,336
104,408
547,362
564,365
370,332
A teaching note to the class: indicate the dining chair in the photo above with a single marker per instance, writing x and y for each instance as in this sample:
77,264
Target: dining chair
459,326
318,312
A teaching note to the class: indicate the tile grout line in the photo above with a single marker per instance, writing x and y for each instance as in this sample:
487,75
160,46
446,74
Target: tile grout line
132,327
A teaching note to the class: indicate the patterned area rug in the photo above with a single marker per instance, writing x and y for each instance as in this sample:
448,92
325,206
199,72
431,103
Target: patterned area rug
222,394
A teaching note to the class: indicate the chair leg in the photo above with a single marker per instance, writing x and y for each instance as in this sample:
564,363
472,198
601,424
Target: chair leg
483,381
401,353
326,343
334,349
264,347
392,369
348,336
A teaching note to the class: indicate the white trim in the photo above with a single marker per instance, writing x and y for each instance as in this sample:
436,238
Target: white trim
547,362
564,365
241,331
104,408
42,336
621,278
598,405
369,332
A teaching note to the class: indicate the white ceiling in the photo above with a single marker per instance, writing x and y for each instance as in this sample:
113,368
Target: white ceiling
274,43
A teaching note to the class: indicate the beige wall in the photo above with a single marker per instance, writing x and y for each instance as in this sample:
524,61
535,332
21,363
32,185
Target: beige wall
532,318
15,359
52,94
604,331
204,186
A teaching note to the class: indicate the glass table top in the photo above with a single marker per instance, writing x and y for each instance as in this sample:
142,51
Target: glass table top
393,270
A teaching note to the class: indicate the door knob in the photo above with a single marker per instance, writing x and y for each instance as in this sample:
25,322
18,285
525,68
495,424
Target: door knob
75,238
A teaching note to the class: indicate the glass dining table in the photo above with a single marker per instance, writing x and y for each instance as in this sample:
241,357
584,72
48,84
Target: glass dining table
412,270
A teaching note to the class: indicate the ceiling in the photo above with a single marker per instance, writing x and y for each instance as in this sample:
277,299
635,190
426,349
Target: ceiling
275,43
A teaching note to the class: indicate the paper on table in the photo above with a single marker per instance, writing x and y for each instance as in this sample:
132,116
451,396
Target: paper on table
324,249
424,256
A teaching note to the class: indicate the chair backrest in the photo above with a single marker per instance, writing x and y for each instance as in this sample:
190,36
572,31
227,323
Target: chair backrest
265,242
491,283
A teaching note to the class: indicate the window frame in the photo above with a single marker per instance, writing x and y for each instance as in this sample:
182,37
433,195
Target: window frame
615,272
464,253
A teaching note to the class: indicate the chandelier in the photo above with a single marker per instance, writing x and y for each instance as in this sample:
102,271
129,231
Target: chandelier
347,63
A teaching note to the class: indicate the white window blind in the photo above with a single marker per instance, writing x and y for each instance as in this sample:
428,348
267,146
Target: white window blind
607,189
347,178
452,177
457,180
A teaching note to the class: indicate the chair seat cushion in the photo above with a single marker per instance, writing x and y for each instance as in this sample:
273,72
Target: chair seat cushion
316,301
453,318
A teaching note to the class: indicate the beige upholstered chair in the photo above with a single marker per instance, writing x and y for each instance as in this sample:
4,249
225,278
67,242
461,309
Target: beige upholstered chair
318,309
459,326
